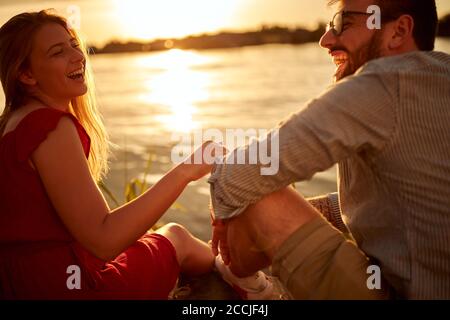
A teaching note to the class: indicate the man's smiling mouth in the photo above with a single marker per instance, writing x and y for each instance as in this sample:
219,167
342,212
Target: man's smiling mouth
340,59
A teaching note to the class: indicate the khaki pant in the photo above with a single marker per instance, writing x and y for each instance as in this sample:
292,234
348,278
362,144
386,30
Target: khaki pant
317,262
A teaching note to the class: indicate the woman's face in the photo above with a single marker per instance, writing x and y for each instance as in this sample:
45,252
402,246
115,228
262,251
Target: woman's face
57,64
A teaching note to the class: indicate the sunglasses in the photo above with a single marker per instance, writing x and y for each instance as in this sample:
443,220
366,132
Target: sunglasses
337,24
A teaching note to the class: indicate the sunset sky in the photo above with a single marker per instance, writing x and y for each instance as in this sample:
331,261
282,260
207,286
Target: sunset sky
103,20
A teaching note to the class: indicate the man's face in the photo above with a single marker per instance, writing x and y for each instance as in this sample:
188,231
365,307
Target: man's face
357,44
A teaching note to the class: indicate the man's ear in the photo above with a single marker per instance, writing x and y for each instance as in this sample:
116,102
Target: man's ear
27,78
402,32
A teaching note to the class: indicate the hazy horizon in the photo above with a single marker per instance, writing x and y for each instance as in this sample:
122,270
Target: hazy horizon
145,20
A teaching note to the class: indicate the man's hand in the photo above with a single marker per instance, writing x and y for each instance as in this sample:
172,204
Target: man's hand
219,242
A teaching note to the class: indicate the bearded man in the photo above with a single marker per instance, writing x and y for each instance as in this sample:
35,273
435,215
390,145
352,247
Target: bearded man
386,123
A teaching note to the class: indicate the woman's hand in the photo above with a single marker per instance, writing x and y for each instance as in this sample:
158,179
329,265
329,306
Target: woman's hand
201,161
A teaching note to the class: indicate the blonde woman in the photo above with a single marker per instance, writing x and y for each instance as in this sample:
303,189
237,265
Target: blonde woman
53,151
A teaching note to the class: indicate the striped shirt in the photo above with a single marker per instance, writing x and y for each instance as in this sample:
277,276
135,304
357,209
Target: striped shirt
388,128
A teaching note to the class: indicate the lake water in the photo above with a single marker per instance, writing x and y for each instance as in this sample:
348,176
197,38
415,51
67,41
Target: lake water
146,97
152,95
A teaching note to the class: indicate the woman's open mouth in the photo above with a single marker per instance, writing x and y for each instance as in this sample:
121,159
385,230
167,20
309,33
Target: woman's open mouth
77,75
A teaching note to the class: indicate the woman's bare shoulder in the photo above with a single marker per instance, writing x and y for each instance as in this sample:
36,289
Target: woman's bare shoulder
17,116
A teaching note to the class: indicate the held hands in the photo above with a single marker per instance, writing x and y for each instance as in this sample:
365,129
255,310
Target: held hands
201,161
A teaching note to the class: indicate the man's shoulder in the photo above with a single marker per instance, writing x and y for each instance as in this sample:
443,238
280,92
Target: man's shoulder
416,60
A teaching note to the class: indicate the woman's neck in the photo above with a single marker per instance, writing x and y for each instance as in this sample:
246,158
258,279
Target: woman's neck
60,105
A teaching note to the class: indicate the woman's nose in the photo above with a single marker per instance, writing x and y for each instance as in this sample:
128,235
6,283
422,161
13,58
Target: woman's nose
328,39
77,55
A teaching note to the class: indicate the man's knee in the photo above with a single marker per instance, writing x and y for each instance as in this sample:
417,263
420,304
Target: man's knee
283,203
266,211
265,225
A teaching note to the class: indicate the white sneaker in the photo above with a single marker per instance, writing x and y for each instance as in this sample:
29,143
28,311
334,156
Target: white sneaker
255,287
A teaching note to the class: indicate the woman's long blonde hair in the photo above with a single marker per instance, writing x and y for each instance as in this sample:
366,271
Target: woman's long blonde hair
16,38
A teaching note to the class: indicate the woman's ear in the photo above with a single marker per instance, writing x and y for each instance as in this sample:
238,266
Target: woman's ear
402,32
27,78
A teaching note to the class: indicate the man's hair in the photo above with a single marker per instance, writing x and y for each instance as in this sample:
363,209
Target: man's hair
423,12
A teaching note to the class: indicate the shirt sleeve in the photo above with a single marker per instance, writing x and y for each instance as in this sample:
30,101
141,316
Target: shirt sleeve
357,115
328,206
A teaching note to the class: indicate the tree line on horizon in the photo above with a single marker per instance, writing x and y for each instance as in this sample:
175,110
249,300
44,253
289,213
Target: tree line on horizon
266,35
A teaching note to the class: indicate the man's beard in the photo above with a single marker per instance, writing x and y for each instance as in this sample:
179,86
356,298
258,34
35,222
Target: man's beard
367,52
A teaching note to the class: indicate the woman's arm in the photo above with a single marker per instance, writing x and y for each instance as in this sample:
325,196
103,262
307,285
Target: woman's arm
64,171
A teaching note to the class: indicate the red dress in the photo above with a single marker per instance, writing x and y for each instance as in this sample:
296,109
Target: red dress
36,249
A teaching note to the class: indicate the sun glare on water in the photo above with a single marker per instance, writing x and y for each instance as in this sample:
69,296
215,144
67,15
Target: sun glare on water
178,87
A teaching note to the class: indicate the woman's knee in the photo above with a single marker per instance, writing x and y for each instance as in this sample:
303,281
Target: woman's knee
176,234
174,228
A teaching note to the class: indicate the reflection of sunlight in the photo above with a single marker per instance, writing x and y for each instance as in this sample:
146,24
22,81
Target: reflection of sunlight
178,87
